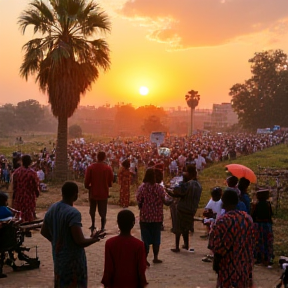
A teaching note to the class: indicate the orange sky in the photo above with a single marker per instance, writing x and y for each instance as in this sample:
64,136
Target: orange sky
168,46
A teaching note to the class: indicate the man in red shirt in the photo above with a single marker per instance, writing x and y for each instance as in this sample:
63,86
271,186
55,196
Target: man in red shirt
98,179
125,257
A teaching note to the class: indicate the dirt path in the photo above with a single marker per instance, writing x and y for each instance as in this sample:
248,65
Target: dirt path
179,270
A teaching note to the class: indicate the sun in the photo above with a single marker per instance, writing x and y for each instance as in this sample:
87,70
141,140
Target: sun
143,90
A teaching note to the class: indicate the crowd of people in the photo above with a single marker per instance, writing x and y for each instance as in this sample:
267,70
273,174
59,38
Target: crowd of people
239,232
199,149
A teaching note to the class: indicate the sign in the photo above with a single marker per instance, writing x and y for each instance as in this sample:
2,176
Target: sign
157,137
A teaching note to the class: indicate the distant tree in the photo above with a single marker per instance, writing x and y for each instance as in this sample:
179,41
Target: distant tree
65,59
153,123
262,101
125,119
29,115
8,120
75,131
192,100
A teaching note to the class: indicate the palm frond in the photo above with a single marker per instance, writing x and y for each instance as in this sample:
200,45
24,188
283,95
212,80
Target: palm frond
39,16
44,10
65,62
31,62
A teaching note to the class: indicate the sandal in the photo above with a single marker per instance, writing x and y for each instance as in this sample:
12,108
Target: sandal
207,259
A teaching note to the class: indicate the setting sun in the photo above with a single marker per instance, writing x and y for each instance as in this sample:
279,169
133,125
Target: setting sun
143,90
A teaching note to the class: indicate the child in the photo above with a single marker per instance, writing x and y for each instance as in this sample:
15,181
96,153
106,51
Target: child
212,212
125,256
261,213
5,212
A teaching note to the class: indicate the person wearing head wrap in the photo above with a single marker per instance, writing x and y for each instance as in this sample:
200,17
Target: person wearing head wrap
124,180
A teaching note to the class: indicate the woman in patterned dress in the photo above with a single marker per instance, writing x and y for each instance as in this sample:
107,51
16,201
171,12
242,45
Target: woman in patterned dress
25,189
150,197
124,179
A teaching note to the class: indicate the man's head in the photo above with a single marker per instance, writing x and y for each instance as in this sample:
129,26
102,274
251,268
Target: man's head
101,156
191,171
229,199
125,220
243,184
26,160
70,191
232,181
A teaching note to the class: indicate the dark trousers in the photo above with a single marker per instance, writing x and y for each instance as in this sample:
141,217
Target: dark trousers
102,210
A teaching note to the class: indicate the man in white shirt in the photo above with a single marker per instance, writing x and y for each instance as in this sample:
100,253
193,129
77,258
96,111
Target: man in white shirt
200,163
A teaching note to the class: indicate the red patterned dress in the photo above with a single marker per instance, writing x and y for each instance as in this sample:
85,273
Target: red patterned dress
232,241
124,179
25,191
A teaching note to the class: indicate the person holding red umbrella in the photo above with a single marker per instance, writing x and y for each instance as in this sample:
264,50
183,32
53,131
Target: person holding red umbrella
243,185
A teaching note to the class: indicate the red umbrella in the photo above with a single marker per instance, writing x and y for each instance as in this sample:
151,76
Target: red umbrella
240,171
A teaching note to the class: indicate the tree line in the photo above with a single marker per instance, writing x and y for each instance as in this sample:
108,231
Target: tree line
122,119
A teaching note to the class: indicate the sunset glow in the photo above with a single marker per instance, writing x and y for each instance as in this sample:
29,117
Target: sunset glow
153,45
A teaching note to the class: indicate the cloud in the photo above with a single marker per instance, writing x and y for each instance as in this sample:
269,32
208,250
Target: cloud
197,23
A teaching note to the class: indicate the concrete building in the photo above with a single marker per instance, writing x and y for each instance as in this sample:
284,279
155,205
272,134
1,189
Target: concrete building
222,117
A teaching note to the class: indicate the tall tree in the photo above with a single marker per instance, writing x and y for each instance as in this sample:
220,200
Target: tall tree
192,99
65,59
262,101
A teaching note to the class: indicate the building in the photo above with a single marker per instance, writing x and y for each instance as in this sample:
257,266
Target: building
222,117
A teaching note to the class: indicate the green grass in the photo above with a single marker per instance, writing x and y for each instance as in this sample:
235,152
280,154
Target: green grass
215,175
274,157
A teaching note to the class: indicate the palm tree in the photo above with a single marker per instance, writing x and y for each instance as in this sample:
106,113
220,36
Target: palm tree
65,59
192,99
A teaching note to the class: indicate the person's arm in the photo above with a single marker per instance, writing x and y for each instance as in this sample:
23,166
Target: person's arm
80,239
45,232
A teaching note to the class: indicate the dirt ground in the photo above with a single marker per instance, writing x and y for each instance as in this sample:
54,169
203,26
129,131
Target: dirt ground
181,270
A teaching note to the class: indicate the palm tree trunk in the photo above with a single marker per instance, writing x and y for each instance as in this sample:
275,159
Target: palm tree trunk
191,122
61,164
